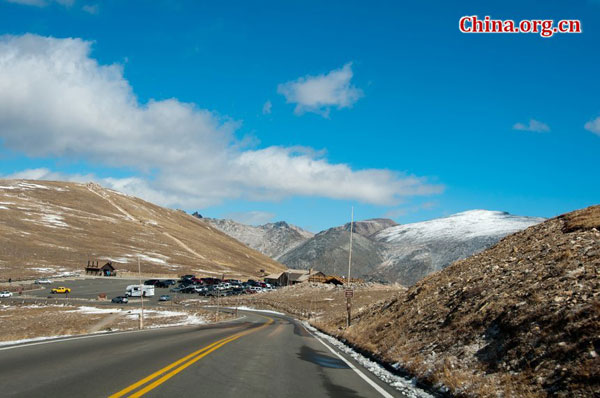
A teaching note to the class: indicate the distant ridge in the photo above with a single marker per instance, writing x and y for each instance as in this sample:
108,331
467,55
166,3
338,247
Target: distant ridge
272,239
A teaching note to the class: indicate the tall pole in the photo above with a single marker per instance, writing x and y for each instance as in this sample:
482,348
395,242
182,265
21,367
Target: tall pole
350,251
141,294
349,298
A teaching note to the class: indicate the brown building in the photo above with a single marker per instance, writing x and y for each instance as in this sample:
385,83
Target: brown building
93,268
294,276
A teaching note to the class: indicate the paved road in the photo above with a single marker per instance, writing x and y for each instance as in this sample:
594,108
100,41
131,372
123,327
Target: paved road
256,356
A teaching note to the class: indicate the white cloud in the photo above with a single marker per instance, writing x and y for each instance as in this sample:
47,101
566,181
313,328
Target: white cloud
593,126
534,125
267,108
57,101
91,9
251,217
319,93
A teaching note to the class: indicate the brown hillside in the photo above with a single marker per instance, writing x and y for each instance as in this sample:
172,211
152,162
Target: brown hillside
520,319
51,227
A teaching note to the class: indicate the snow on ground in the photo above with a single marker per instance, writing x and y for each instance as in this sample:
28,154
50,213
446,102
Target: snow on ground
145,257
123,260
190,319
244,308
94,310
44,270
187,318
466,225
34,339
401,384
54,220
206,271
28,185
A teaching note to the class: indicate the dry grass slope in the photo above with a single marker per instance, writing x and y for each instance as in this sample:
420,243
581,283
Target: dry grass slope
50,227
521,319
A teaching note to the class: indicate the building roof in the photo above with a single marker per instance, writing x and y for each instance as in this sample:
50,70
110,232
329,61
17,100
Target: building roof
97,267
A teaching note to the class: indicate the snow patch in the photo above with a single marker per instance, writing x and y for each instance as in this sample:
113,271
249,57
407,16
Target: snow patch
34,339
145,257
44,270
54,220
244,308
95,310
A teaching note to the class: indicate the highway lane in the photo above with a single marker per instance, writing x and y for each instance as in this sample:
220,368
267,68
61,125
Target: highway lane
256,356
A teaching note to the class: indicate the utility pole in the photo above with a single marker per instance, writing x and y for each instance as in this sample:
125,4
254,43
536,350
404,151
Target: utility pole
349,291
141,294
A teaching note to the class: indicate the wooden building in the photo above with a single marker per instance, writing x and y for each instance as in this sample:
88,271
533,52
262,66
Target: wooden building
93,268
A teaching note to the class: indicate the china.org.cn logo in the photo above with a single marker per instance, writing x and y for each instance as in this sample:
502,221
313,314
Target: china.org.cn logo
543,27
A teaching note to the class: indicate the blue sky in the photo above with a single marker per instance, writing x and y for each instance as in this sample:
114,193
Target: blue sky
278,111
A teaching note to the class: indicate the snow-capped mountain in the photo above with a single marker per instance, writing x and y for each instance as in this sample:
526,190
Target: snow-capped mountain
272,239
412,251
382,250
385,251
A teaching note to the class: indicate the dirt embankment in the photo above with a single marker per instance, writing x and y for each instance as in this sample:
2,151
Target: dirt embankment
521,319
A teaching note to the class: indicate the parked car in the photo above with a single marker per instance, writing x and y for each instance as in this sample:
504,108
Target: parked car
170,281
237,290
120,300
176,289
201,289
186,278
61,289
43,281
164,297
151,282
5,293
162,284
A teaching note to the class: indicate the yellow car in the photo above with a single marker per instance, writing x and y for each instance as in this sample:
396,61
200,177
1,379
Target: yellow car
61,290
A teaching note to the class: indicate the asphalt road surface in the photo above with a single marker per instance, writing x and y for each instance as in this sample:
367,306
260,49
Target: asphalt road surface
259,355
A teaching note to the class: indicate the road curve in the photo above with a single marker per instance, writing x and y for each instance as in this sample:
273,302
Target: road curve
259,355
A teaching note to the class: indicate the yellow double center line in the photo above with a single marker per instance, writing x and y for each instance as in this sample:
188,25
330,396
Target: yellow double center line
171,370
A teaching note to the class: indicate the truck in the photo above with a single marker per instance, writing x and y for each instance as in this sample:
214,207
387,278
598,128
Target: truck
139,290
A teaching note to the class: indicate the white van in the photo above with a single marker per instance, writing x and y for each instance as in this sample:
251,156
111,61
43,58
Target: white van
138,290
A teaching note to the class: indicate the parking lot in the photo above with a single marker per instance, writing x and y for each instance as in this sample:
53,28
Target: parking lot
91,288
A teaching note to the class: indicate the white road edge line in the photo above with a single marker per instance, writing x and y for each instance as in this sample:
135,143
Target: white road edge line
361,374
102,334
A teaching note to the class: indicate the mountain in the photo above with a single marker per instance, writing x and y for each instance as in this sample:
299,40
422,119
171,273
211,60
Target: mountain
385,251
272,239
520,319
328,250
52,227
413,251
